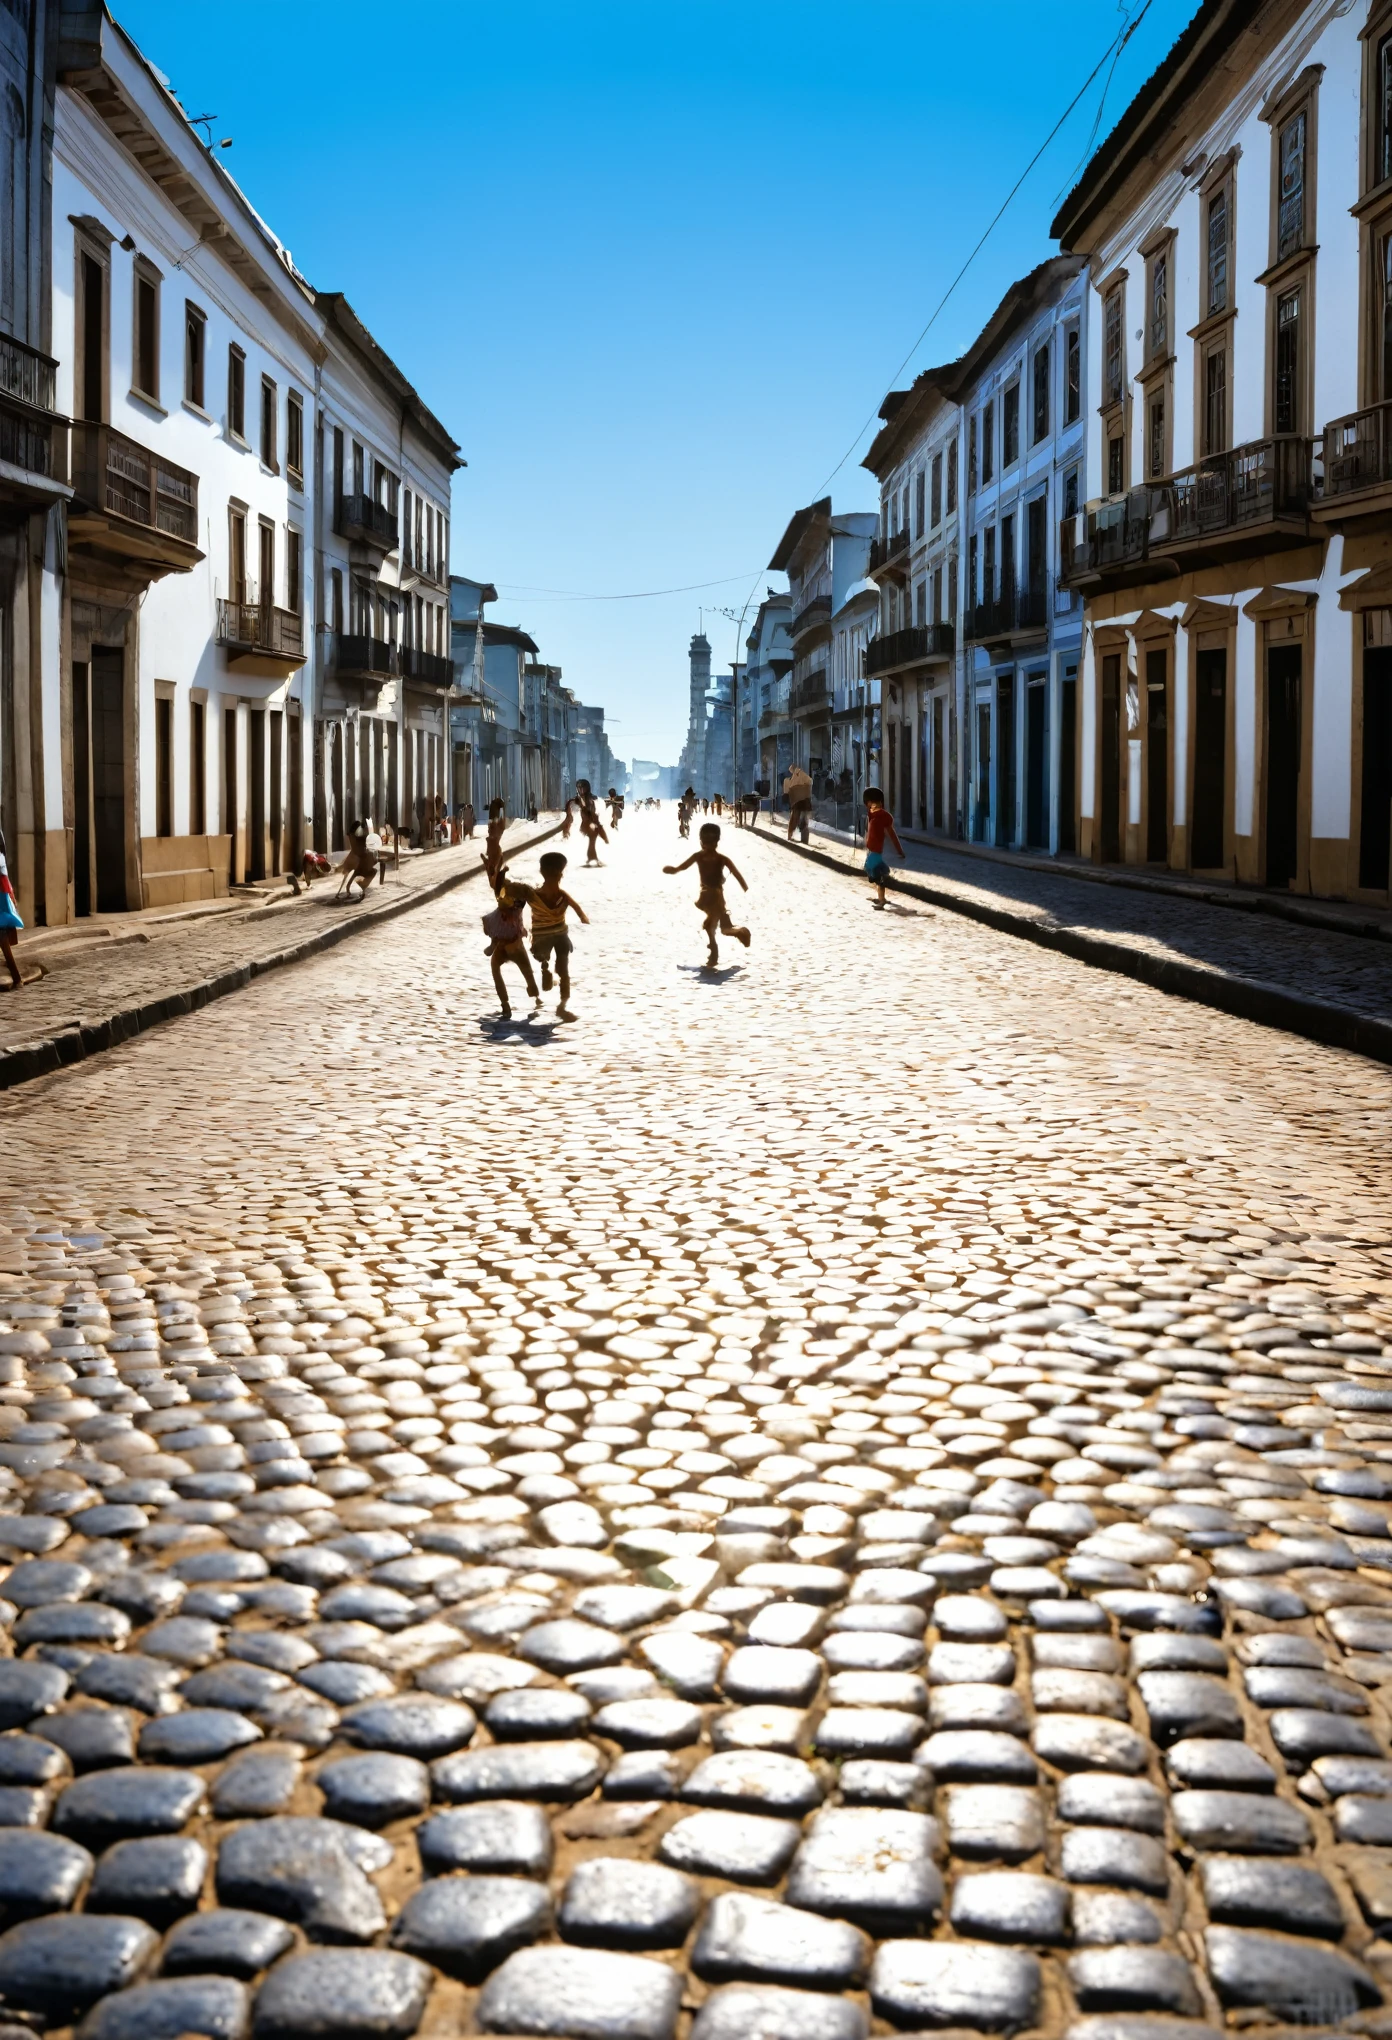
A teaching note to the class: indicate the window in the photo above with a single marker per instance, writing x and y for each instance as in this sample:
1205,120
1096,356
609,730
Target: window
1007,531
971,456
1290,197
951,477
935,491
198,768
1070,493
971,570
1385,313
1116,464
1113,362
145,353
988,564
920,486
336,599
294,569
1286,405
237,555
164,765
1155,435
988,442
357,469
937,594
195,329
1158,335
1382,114
918,604
266,562
268,422
294,435
1217,253
236,392
1041,392
1215,419
1072,376
1010,426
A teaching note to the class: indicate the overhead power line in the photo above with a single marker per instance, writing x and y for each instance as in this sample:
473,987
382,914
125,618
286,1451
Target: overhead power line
1111,54
633,595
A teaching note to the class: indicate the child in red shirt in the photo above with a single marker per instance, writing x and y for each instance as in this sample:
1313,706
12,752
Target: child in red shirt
879,823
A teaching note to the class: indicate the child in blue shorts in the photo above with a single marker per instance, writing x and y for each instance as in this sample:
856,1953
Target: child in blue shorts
879,823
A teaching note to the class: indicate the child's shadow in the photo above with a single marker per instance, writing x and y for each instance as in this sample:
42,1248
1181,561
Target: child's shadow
711,973
517,1033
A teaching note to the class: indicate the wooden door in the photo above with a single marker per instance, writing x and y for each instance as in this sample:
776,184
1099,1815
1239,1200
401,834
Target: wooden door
1283,664
1157,758
109,777
1375,825
1109,805
1210,757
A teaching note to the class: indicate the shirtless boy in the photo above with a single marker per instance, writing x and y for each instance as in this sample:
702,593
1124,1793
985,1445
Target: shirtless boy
711,866
549,936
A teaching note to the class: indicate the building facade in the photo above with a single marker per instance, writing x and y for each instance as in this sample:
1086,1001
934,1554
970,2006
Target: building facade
824,553
1234,550
768,660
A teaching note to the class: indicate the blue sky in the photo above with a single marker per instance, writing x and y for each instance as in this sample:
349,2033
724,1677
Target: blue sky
654,265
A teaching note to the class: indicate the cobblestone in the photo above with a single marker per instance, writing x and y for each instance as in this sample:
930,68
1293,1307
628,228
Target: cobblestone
841,1495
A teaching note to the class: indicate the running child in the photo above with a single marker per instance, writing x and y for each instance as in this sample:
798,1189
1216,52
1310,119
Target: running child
506,930
879,823
591,827
711,866
549,935
493,848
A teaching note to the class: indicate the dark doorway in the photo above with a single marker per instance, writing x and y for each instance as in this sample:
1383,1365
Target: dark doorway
1109,818
925,766
937,761
892,776
109,777
1005,771
82,790
1037,766
164,765
1068,764
1157,758
905,768
1037,557
336,784
1282,762
1210,757
294,736
277,789
983,771
1375,827
231,802
256,776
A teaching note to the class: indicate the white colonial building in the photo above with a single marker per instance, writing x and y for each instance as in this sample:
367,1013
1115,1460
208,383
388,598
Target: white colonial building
1233,549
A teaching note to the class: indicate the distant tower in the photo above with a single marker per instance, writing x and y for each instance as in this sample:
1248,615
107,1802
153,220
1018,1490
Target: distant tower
692,767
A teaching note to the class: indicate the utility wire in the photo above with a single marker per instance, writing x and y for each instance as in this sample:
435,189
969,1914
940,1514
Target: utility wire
1113,52
636,595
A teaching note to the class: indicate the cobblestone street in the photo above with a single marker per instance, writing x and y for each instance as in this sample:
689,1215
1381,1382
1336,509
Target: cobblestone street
843,1494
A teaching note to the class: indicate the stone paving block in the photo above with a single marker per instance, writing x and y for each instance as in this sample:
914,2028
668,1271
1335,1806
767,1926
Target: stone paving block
581,1994
746,1848
345,1993
768,2012
466,1925
961,1983
756,1940
1296,1979
217,2007
868,1864
614,1902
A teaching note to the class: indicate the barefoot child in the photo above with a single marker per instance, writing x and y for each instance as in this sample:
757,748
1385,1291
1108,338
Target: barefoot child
10,922
549,937
711,866
507,939
879,823
493,847
591,827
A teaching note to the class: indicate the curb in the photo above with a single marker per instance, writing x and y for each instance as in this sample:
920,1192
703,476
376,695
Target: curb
76,1044
1244,998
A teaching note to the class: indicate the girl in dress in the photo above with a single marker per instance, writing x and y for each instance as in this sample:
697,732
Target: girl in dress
10,923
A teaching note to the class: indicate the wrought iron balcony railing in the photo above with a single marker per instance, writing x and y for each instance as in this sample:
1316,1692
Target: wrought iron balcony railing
361,516
909,648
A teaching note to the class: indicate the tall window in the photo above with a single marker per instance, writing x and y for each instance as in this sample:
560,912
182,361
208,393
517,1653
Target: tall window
1073,377
1041,392
920,518
1217,253
268,421
1010,426
164,765
988,442
294,435
988,564
935,492
1382,164
237,554
1007,555
146,350
1385,307
952,588
336,598
1216,401
937,594
951,476
195,326
236,392
357,469
294,569
198,768
1159,335
1116,464
972,582
971,456
1070,493
1290,215
1113,365
1286,405
1155,435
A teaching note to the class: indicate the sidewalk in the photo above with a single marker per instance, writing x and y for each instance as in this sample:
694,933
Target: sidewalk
110,979
1306,975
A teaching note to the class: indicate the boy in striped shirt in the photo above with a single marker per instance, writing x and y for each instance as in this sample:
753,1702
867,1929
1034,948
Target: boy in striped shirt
549,936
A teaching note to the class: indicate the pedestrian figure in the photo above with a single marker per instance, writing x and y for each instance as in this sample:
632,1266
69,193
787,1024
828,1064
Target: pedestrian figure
493,848
718,803
591,827
359,866
711,866
798,787
879,823
569,823
549,936
468,821
506,930
10,922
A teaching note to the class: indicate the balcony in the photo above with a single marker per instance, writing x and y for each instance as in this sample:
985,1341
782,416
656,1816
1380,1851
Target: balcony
814,615
1015,612
426,669
809,700
368,659
362,520
890,555
414,568
1357,466
32,437
914,647
258,638
131,504
1254,499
